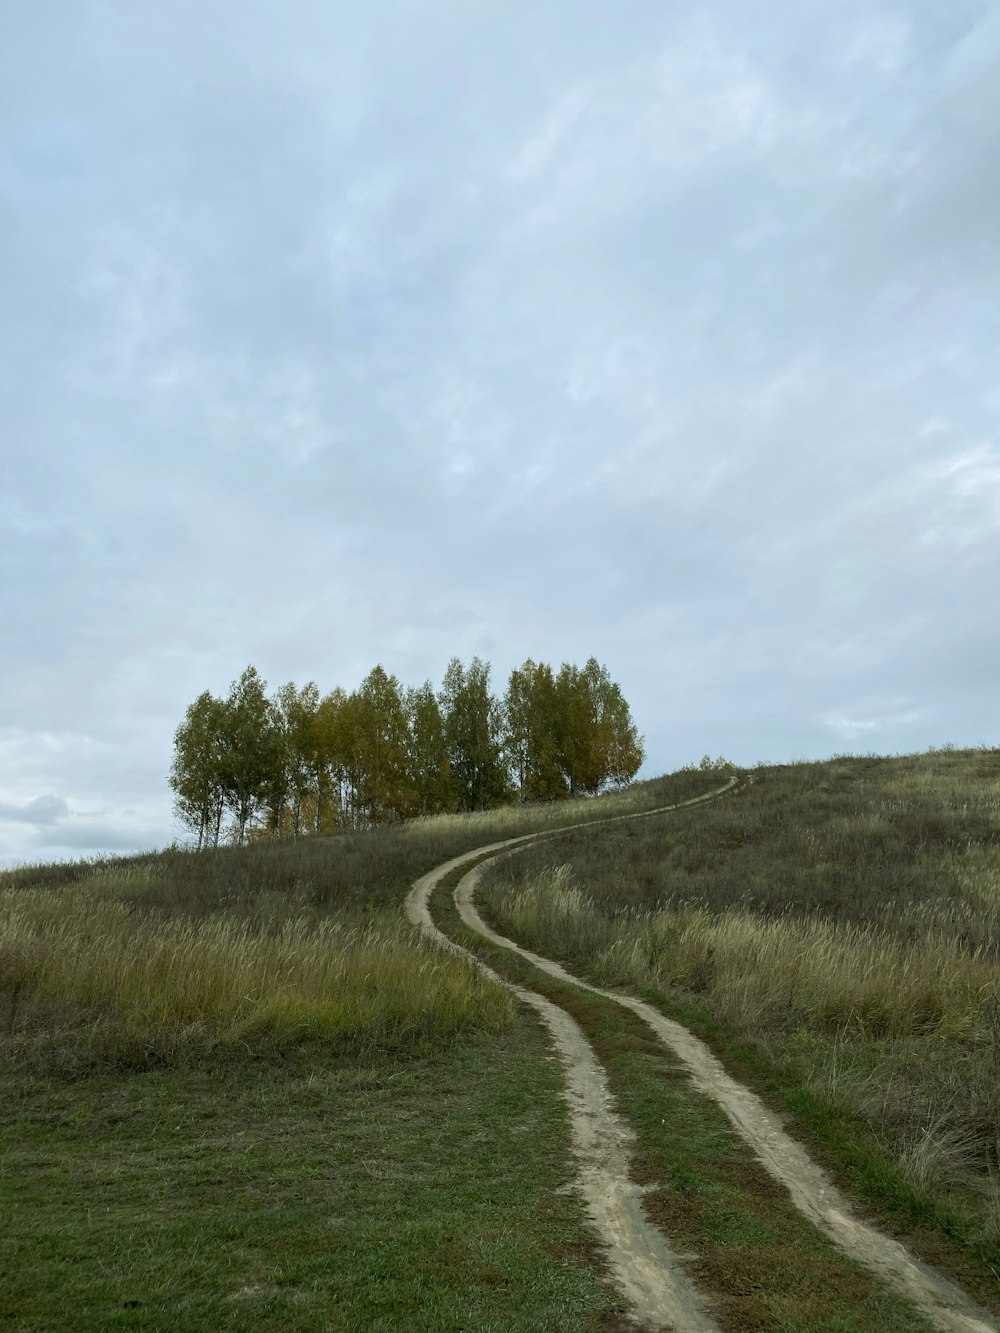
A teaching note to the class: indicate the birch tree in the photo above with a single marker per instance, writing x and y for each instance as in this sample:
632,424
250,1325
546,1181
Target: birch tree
196,774
251,749
474,739
430,773
531,707
381,750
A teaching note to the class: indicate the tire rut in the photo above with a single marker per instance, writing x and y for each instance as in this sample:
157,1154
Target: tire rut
649,1275
941,1301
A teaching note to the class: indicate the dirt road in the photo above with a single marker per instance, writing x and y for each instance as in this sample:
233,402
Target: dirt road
651,1278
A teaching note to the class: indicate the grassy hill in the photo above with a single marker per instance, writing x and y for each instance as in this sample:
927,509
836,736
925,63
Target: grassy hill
834,930
244,1093
240,1091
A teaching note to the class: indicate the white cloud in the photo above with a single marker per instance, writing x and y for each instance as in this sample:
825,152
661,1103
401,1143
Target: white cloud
537,155
644,127
282,410
137,301
966,487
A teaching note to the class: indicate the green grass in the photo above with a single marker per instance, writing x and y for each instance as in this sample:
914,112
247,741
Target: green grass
363,870
163,959
743,1241
299,1194
136,987
240,1092
832,930
945,1227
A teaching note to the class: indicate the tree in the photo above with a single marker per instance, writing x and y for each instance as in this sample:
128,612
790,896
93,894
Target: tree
381,746
295,713
430,772
380,754
598,742
517,720
576,731
473,728
620,745
531,708
251,749
342,718
331,759
196,774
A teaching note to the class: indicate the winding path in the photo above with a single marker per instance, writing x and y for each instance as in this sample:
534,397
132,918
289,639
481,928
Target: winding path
649,1275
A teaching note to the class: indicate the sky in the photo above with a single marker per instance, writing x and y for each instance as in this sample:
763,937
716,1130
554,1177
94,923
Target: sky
336,334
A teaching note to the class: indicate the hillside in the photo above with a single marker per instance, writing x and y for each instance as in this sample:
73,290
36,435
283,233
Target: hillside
834,931
247,1090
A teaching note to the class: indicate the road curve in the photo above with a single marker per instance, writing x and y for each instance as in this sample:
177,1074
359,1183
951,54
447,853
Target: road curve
648,1274
623,1225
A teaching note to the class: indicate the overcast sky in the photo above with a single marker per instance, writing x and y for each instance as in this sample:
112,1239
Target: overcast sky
335,334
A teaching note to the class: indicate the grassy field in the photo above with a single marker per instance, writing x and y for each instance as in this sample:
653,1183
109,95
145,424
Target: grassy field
834,931
767,1268
302,1193
240,1092
166,958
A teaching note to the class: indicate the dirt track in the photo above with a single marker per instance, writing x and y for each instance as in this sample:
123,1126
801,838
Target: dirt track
650,1277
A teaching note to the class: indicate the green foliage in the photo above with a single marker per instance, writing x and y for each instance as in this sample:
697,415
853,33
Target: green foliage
569,734
281,766
381,751
331,758
196,773
298,734
709,765
251,750
534,727
430,771
473,729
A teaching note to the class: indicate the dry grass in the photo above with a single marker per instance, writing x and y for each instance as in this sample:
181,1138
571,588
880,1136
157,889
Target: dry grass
778,972
181,955
137,983
844,917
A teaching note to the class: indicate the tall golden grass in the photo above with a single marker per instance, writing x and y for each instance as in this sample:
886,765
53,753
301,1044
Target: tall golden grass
170,982
842,919
155,956
781,972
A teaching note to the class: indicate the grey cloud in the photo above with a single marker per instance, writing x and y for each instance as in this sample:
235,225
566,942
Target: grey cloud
389,334
95,837
43,811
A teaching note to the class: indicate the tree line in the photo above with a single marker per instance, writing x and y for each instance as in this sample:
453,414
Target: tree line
256,764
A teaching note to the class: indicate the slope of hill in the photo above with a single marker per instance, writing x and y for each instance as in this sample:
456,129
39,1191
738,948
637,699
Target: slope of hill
834,931
239,1091
246,1093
